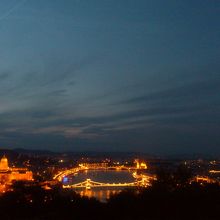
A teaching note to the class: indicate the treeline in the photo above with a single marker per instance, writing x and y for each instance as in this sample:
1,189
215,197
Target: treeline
171,197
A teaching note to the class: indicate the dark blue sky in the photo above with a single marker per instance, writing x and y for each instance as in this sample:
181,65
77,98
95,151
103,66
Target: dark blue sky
110,75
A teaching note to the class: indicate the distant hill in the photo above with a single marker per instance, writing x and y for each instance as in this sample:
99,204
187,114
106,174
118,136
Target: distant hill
120,155
99,154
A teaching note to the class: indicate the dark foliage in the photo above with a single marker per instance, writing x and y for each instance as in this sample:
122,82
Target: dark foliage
171,197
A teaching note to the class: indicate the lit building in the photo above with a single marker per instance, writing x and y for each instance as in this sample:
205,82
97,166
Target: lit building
202,179
9,174
93,165
141,165
4,163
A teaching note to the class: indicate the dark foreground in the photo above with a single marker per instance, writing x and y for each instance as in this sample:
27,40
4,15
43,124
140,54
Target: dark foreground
193,202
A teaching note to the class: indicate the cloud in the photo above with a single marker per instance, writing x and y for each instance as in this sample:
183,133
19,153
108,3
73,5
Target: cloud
199,91
12,9
4,76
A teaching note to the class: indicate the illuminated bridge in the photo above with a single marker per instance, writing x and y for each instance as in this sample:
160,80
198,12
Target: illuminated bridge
88,184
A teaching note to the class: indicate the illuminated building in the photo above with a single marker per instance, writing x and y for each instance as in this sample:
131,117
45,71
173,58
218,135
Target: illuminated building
203,179
214,171
141,165
9,174
4,163
93,165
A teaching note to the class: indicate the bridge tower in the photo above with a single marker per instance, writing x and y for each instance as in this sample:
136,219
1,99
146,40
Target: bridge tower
88,184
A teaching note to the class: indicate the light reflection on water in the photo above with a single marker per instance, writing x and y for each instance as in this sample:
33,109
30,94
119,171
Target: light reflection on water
108,176
102,194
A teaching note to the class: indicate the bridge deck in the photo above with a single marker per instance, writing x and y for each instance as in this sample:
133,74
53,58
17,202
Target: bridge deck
92,184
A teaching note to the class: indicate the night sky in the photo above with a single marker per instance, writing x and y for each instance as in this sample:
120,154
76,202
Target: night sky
110,75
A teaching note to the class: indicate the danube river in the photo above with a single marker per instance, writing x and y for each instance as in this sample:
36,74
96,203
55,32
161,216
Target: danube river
102,176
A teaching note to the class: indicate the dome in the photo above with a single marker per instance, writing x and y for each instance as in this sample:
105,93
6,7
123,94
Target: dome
4,163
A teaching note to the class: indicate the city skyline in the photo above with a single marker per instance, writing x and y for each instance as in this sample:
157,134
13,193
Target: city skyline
110,76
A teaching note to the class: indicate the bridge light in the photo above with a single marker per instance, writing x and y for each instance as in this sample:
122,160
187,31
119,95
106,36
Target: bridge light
65,179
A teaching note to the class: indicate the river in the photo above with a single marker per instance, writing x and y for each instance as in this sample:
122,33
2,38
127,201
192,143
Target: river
103,176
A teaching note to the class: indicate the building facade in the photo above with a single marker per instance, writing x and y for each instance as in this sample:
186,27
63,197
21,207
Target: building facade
10,174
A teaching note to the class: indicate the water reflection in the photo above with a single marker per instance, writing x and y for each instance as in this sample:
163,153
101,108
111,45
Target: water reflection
101,194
